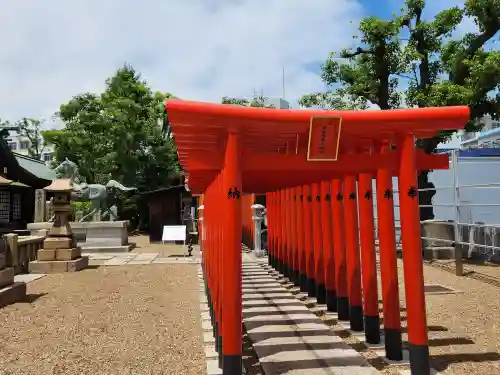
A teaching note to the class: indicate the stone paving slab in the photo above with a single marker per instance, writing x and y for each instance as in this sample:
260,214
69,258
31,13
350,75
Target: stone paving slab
287,337
250,296
115,262
259,302
146,256
208,338
131,258
213,367
140,261
98,256
26,278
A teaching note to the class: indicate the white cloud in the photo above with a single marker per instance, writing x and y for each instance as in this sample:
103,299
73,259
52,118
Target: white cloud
196,49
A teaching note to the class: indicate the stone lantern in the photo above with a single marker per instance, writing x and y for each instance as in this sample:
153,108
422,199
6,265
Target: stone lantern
201,227
60,252
258,218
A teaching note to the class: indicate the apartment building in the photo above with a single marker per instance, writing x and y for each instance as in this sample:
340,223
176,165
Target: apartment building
20,145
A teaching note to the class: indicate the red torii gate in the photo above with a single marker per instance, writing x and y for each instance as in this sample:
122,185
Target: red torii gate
306,162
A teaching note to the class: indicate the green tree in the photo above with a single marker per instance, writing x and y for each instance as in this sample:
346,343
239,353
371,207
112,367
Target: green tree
31,129
119,134
407,60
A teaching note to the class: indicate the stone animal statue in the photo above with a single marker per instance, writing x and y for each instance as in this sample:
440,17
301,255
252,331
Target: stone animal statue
97,194
68,169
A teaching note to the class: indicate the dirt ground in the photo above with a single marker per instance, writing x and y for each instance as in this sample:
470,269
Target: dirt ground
108,321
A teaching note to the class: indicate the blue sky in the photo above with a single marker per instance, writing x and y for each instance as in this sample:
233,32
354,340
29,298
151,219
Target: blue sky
196,49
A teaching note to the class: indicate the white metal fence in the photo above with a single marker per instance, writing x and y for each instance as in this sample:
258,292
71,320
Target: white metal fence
467,201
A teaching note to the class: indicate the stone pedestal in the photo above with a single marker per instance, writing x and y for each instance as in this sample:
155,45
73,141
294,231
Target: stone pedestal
106,233
93,237
10,291
60,252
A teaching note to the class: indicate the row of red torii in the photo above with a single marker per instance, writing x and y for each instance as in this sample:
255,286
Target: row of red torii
316,169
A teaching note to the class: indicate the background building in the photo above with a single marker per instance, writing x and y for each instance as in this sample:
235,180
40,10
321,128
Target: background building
20,145
278,103
489,136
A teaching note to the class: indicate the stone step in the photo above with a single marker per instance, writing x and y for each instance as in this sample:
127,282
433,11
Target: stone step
12,293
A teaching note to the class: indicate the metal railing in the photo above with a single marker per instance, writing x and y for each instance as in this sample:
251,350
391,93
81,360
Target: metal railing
469,240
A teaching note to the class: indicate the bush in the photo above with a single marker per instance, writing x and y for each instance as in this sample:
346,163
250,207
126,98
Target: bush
84,207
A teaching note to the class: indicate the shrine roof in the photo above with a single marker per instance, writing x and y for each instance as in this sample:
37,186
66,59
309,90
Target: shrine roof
23,169
36,167
200,129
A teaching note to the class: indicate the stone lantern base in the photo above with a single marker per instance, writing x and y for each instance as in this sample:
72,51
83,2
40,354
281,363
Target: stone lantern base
58,255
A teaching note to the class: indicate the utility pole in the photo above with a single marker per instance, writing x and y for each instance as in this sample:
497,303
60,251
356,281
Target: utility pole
283,83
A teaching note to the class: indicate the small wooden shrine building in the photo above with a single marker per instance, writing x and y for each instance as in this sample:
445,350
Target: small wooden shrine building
20,176
169,206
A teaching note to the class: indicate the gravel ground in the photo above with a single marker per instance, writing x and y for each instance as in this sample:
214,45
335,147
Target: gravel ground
464,329
106,321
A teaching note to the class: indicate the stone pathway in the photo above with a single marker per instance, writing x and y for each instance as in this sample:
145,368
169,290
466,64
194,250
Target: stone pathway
129,258
287,337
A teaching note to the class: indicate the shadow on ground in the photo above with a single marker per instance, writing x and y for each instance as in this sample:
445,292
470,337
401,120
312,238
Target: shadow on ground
31,298
442,361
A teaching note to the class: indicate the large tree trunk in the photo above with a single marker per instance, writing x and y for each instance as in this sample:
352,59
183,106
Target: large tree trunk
425,197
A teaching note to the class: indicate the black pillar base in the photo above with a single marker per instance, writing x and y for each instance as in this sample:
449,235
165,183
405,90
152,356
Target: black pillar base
296,278
321,294
393,344
220,351
303,283
216,335
343,308
292,275
286,271
311,287
232,364
372,329
331,301
356,318
215,330
419,359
